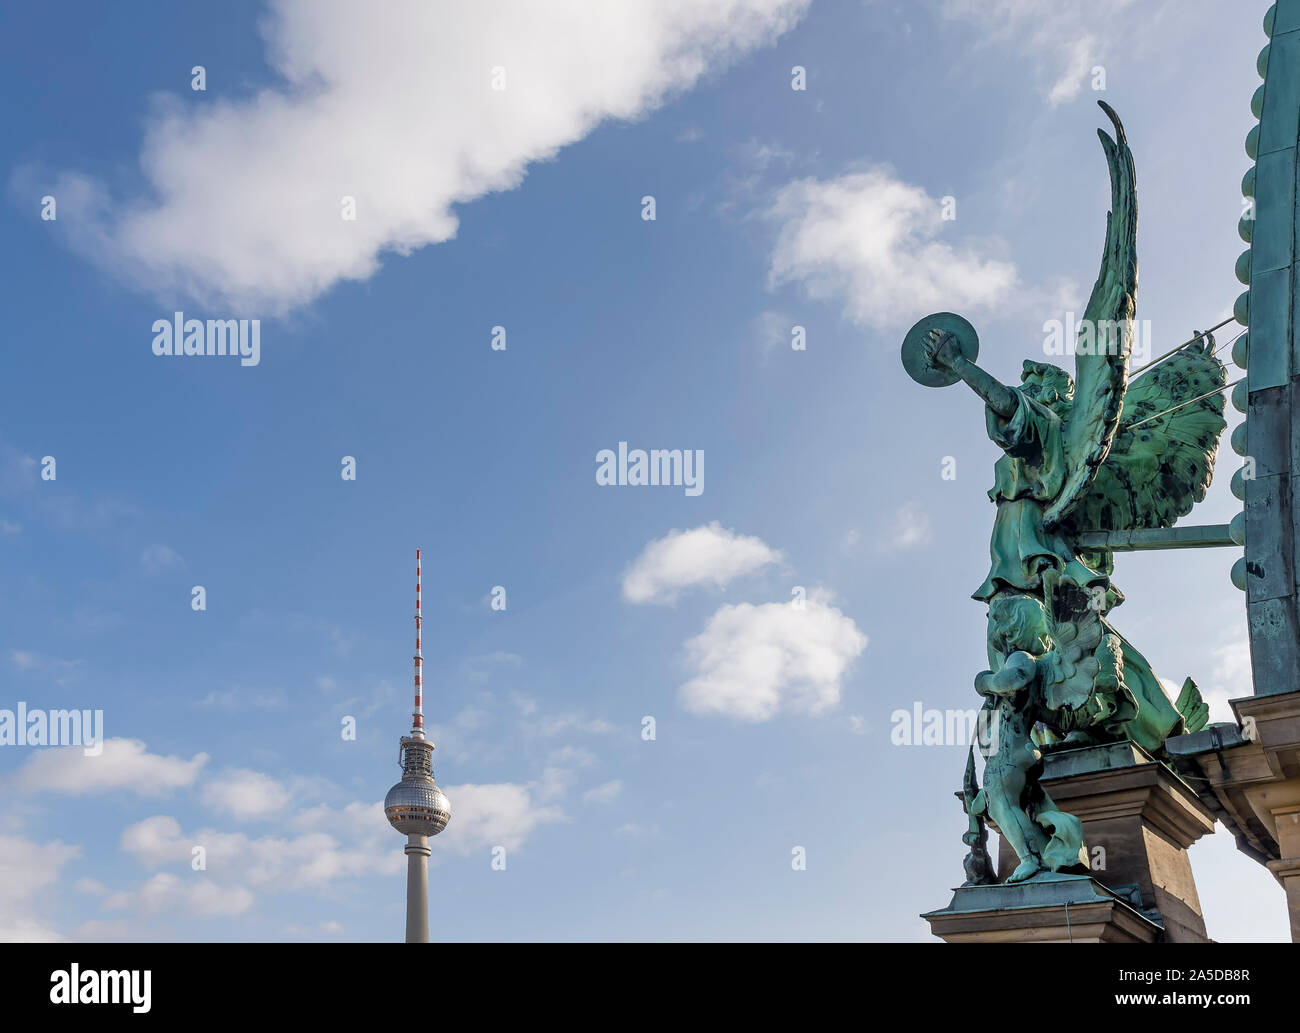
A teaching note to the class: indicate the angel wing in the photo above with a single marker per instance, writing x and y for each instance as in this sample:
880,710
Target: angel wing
1106,335
1158,468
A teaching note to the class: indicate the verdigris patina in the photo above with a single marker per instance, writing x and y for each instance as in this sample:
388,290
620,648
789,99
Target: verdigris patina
1081,454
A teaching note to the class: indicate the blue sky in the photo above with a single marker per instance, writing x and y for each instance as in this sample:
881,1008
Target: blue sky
523,208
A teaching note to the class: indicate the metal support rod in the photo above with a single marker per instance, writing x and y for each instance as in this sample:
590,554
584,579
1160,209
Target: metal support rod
1175,351
1190,401
1206,536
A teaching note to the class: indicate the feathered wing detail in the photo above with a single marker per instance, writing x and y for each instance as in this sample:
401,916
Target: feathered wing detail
1194,709
1159,468
1074,624
1105,335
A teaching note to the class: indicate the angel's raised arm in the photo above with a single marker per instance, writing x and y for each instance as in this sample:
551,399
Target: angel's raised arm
942,348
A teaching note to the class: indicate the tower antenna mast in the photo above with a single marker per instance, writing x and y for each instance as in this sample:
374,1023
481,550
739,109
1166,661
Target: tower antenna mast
417,718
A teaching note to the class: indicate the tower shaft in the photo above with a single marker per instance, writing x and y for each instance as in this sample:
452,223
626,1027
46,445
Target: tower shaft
417,888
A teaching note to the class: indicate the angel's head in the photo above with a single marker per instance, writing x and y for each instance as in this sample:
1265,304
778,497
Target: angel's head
1018,623
1048,384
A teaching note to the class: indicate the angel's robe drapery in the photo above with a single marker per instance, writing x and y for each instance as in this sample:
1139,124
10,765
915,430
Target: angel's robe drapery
1027,479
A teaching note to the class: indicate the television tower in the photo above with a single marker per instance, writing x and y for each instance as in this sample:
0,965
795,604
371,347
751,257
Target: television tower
415,806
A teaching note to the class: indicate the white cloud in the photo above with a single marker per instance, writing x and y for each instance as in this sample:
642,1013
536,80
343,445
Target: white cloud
304,932
20,478
484,816
572,755
245,794
157,559
88,885
1060,37
98,931
775,331
709,554
1075,56
25,929
356,820
393,107
123,764
870,241
155,840
554,783
317,849
752,661
359,842
61,671
26,869
910,529
246,699
1232,679
606,793
194,895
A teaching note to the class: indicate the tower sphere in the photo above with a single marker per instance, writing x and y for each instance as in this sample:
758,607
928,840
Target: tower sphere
417,806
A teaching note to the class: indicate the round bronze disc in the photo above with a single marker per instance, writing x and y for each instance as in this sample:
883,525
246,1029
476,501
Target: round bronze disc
917,363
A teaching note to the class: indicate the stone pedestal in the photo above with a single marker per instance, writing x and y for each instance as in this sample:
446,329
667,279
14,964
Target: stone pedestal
1139,817
1048,909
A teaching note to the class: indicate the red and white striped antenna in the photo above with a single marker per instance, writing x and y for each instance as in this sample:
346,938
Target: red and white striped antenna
417,722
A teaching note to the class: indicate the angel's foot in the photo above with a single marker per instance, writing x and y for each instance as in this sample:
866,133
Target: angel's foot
1027,869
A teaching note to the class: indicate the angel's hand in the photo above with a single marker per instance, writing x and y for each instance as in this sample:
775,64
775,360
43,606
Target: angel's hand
1014,675
941,348
1091,712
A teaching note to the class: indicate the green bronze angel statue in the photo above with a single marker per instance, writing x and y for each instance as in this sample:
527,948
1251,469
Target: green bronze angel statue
1049,671
1096,451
